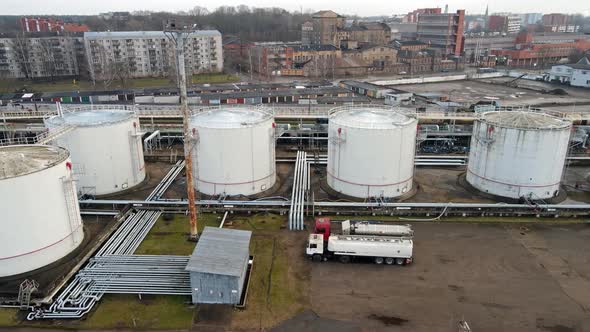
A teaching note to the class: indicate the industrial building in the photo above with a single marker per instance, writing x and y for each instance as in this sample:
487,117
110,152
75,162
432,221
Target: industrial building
219,265
115,162
234,151
442,31
518,154
367,89
210,94
574,74
39,208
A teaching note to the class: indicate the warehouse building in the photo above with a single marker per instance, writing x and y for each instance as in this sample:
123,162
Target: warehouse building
219,265
364,88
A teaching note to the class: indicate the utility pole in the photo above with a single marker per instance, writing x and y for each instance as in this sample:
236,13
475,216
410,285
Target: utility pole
178,36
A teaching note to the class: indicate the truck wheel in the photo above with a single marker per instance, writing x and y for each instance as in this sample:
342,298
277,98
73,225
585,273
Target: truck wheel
399,261
389,260
317,258
378,260
344,259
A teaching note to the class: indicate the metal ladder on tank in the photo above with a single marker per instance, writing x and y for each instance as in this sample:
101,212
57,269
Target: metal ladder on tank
71,205
134,140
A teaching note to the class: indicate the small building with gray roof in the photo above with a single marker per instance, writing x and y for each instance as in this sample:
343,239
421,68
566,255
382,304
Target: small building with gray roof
218,266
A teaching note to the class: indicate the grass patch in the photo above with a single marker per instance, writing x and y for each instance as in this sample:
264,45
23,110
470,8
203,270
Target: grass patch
214,78
8,317
278,285
118,311
12,85
169,237
258,222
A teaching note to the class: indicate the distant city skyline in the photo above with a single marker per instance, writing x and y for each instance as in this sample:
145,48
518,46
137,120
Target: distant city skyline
347,7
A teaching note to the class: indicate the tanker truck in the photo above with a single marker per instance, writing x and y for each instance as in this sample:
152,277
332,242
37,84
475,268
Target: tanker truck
395,248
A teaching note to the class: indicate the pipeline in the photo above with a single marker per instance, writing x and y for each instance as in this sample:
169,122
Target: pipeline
113,270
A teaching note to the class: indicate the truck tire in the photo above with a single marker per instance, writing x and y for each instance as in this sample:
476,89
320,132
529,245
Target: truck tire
389,260
378,260
344,259
316,258
399,261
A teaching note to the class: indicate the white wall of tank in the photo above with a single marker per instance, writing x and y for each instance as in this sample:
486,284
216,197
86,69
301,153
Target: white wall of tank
234,150
371,151
106,149
518,154
40,215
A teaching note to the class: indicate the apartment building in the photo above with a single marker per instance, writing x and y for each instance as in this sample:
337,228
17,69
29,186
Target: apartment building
41,57
442,31
504,23
150,53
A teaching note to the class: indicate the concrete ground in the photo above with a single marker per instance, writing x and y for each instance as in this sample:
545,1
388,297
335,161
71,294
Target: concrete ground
496,277
473,91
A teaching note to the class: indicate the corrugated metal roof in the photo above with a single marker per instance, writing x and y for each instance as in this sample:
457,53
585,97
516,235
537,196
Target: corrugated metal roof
220,251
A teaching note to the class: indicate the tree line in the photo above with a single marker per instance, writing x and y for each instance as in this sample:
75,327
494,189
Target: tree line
247,23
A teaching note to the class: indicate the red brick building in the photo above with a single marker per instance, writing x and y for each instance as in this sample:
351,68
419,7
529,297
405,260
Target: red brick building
526,54
555,19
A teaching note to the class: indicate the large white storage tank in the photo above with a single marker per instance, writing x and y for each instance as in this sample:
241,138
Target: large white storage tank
234,150
40,215
106,149
518,154
371,151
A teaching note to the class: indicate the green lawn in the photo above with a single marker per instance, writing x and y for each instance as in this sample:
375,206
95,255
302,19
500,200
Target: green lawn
158,312
169,237
11,85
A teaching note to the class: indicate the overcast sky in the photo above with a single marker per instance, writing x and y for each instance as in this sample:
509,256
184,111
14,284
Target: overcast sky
363,8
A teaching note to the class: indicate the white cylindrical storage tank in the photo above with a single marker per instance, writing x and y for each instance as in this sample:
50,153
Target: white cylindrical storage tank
518,154
371,151
234,150
106,149
40,214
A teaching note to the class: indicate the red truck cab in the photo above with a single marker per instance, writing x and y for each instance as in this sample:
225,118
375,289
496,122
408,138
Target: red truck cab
322,226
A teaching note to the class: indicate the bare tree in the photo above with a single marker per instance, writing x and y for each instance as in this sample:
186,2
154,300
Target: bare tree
198,11
48,61
22,48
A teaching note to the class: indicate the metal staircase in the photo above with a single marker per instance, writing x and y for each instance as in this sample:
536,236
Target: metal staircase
26,288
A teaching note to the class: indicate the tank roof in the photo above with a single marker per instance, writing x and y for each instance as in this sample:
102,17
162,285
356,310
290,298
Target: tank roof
18,160
91,118
525,120
229,117
374,118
